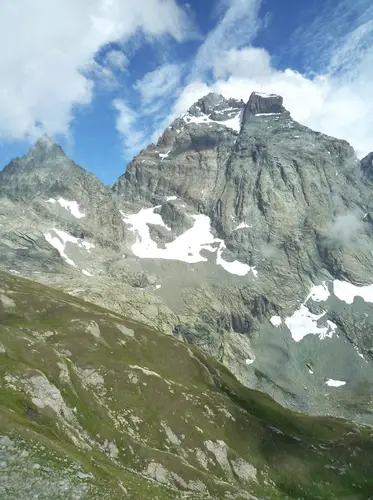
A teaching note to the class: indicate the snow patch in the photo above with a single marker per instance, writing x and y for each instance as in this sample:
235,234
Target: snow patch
243,225
249,361
93,328
232,123
171,436
85,244
264,94
319,293
187,247
335,383
164,155
303,323
71,206
171,198
267,114
347,291
60,241
276,321
234,267
359,354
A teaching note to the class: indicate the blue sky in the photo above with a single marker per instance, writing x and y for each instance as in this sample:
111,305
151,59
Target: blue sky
104,77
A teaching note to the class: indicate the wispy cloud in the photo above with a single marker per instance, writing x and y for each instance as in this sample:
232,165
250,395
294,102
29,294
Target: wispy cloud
159,83
238,26
116,60
126,124
336,38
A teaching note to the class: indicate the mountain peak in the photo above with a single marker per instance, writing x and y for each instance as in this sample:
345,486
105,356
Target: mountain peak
45,165
45,142
213,103
45,149
263,103
210,101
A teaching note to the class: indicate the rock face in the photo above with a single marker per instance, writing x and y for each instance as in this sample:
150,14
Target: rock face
367,165
57,187
241,231
264,104
94,406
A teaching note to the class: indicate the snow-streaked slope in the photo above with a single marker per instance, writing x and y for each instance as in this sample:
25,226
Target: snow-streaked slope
186,248
319,293
232,123
59,239
71,206
303,322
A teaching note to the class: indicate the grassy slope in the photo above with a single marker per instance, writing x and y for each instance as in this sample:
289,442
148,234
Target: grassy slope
148,417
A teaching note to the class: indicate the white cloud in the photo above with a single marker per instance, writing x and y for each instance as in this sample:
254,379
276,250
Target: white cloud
48,49
155,89
156,84
116,60
248,63
126,125
237,28
105,73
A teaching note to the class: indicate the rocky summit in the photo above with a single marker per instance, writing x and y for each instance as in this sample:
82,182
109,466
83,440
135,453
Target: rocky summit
242,235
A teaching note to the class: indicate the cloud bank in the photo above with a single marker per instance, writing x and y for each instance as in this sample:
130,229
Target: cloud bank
43,79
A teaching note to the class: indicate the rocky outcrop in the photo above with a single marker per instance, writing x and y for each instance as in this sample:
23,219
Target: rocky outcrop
367,165
264,104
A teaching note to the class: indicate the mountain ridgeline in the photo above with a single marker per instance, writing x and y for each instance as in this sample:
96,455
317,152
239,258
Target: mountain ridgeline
242,238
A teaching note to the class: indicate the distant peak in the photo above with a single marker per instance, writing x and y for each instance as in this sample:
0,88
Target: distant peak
210,100
45,142
45,148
